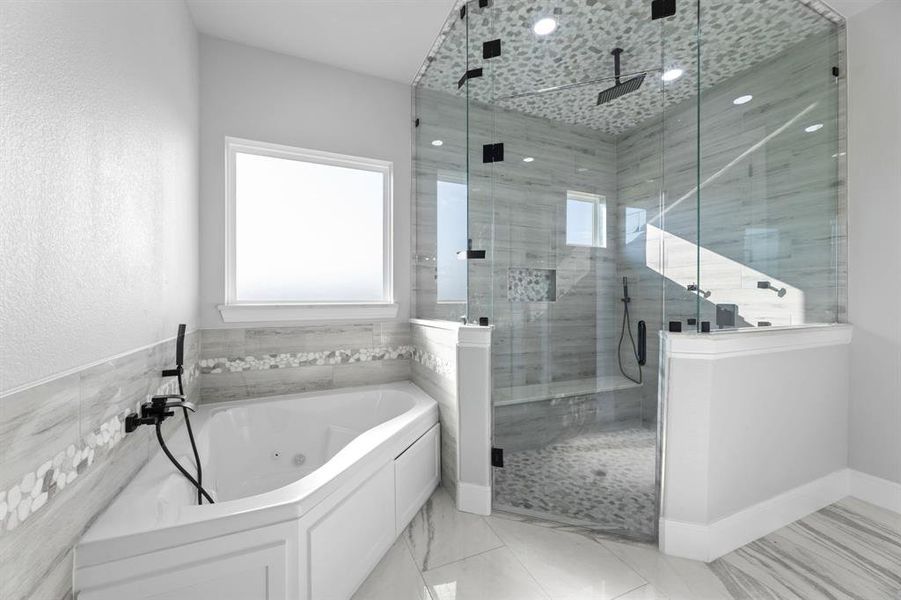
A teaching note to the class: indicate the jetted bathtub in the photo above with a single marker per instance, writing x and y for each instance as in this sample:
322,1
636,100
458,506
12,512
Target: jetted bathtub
311,490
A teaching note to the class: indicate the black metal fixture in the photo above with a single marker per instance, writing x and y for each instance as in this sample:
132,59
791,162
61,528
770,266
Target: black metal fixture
492,153
469,253
660,9
639,351
497,457
675,326
694,287
470,74
621,88
491,48
161,407
766,285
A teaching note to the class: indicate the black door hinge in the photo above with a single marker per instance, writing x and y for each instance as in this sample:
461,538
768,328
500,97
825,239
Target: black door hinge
492,153
660,9
416,123
497,457
469,253
470,74
835,71
491,48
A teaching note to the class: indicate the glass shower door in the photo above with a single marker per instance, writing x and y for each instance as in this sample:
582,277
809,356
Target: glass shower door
565,198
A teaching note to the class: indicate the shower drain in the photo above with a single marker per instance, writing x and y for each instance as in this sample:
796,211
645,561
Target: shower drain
299,459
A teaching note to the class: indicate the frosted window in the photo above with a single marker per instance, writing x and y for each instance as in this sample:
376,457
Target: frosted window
586,220
308,232
451,239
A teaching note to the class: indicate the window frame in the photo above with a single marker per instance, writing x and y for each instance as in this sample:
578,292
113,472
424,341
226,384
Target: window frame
598,227
233,310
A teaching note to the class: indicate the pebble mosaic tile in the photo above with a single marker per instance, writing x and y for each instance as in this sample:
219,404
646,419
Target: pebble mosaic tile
737,36
287,360
605,479
531,285
37,489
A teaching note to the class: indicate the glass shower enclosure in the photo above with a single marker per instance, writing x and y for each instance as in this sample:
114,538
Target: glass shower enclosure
587,176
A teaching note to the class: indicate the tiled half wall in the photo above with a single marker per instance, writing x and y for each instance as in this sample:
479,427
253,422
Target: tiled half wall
452,363
64,456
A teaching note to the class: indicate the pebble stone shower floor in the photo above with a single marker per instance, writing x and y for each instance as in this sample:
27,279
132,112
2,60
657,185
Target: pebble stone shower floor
603,480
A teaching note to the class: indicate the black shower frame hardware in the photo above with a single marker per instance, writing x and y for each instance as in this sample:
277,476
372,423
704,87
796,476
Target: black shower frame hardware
492,153
491,49
660,9
470,74
470,254
497,457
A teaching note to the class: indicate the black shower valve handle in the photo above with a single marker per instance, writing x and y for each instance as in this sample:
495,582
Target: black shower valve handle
179,370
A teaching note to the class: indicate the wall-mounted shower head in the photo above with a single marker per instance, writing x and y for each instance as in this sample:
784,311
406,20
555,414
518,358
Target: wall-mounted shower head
621,88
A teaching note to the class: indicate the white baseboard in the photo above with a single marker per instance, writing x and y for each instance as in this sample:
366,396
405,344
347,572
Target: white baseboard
474,498
875,490
707,542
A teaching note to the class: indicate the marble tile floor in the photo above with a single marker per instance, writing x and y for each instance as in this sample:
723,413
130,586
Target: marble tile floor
850,550
601,479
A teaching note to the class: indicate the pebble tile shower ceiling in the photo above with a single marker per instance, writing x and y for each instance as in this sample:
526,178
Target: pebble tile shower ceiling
696,200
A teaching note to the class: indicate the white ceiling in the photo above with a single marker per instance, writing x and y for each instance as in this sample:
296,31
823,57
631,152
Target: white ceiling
384,38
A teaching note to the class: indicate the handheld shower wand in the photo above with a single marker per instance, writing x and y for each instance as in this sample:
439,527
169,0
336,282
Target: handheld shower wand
639,351
160,408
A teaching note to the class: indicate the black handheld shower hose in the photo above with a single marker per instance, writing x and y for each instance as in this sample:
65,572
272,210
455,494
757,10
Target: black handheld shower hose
177,371
639,351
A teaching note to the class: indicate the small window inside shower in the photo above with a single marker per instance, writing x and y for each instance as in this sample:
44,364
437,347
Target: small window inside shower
451,230
586,219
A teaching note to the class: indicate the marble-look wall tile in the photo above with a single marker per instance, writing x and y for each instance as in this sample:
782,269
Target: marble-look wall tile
244,363
435,371
532,425
64,456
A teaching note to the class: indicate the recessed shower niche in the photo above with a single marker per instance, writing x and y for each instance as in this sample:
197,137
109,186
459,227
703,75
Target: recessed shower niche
653,170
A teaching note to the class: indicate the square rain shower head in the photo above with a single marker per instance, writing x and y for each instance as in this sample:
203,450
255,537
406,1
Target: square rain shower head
620,89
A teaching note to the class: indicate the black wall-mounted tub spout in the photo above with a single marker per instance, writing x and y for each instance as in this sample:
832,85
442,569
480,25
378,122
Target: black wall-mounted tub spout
161,407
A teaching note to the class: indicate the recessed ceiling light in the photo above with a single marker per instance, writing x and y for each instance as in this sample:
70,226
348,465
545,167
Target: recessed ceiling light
672,74
437,142
814,127
743,99
528,159
545,26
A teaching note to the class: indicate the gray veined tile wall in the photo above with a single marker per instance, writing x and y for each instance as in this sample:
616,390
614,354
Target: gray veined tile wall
64,456
243,363
771,205
435,371
518,212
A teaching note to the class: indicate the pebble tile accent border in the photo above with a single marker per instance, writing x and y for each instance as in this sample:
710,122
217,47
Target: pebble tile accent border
287,360
433,362
37,488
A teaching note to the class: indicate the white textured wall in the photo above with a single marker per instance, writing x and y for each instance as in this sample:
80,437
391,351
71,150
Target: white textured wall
98,181
874,195
270,97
